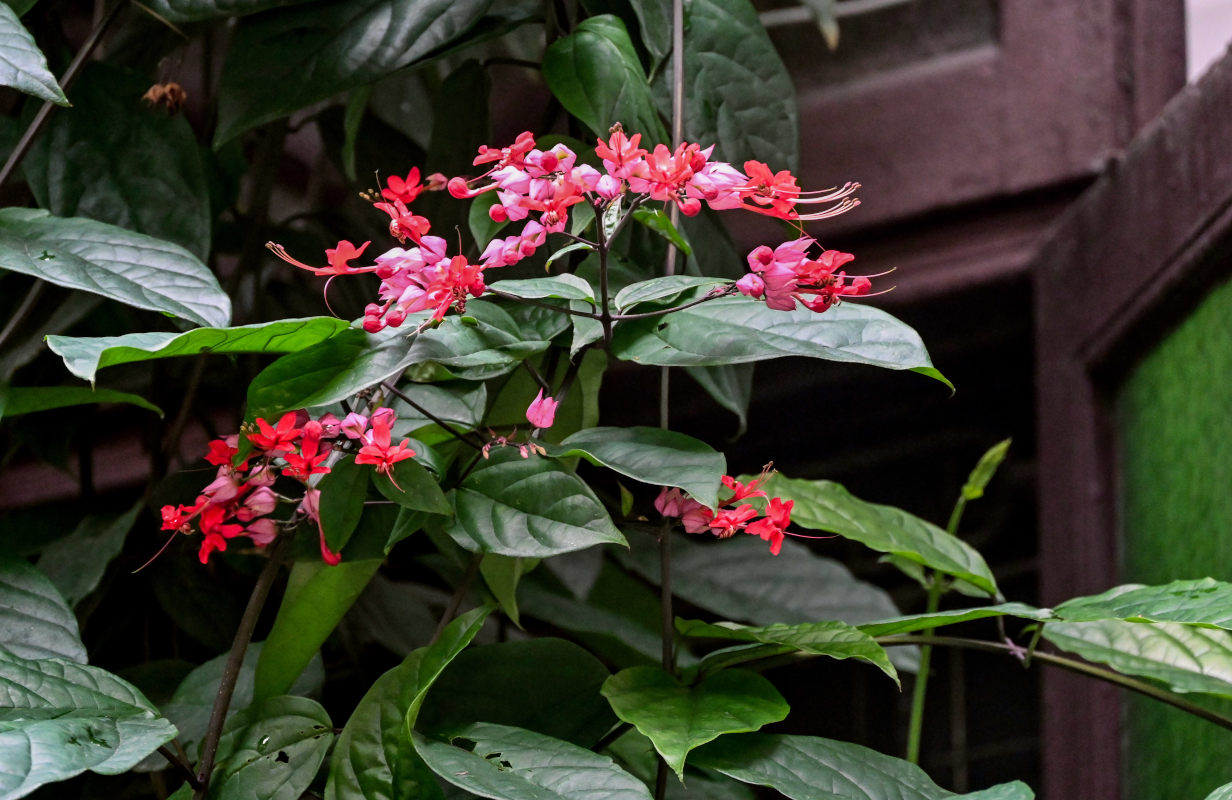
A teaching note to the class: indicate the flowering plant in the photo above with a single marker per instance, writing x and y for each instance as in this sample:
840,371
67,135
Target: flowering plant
451,434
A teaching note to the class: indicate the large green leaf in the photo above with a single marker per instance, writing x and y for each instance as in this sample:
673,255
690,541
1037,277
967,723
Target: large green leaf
413,487
507,763
317,596
1185,657
738,94
651,455
662,290
201,10
190,707
18,400
488,341
529,507
739,579
489,684
1206,602
343,492
114,159
811,768
740,330
678,718
1222,793
460,403
827,506
924,622
118,264
563,287
288,59
272,750
502,575
22,65
36,621
86,355
76,563
731,386
595,73
833,639
373,757
59,719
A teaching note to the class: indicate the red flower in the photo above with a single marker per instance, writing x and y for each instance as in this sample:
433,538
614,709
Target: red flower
379,450
274,440
403,190
772,527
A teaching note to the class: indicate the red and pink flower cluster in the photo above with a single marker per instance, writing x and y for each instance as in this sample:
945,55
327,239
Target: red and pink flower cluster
730,518
540,186
241,497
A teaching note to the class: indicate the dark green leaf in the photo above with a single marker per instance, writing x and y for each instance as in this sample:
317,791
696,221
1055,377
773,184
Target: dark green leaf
567,287
1185,657
18,400
811,768
76,563
679,718
85,356
550,686
595,74
281,62
502,575
1206,602
508,763
657,221
528,507
740,330
22,65
408,523
663,290
357,105
189,708
132,268
488,341
36,621
651,455
373,757
924,622
343,491
973,489
576,247
114,159
272,750
737,93
827,506
833,639
412,487
317,596
201,10
731,386
1222,793
60,719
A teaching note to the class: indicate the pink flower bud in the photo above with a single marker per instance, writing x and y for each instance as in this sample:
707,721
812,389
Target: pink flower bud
542,411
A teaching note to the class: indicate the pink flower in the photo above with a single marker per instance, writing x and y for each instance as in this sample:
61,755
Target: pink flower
542,411
379,451
773,526
311,506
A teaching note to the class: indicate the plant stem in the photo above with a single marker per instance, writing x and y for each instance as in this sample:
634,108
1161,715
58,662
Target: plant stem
916,723
668,629
452,431
1069,664
23,310
455,602
180,765
231,671
66,80
661,312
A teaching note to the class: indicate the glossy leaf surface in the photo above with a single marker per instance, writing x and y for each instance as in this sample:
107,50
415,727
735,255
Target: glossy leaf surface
508,763
18,400
85,356
60,719
651,455
1206,602
924,622
740,330
22,65
827,506
76,563
679,718
36,621
564,287
811,768
528,507
596,75
112,262
272,750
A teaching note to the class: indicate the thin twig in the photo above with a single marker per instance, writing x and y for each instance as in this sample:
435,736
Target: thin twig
534,373
611,736
231,671
23,310
180,765
452,431
455,602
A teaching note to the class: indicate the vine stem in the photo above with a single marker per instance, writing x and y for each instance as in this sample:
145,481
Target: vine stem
231,671
1071,665
455,602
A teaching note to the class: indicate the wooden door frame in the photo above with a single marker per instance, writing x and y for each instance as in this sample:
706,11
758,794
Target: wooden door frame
1130,260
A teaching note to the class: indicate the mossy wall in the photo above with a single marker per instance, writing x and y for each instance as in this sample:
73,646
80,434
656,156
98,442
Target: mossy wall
1174,417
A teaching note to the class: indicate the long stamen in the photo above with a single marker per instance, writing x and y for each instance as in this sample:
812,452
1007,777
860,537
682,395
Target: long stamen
828,195
281,252
841,208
